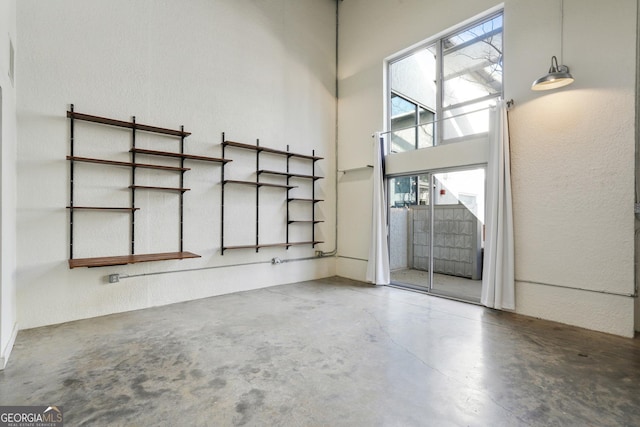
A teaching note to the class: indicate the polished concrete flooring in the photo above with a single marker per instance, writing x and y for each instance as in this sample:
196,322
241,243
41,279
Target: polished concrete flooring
329,352
443,284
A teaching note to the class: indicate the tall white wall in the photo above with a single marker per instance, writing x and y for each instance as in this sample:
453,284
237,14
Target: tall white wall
7,183
572,149
251,69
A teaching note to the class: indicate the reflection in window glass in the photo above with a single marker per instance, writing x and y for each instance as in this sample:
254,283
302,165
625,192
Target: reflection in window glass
472,63
411,125
429,98
413,100
408,191
403,117
414,77
470,119
426,132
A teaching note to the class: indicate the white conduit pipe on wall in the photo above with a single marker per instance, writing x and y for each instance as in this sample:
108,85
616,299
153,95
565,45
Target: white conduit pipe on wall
636,270
116,277
334,252
597,291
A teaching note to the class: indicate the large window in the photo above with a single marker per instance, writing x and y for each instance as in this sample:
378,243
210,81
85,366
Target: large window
441,92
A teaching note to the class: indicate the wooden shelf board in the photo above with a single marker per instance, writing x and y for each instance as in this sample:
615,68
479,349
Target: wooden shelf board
127,164
128,259
148,187
304,156
178,155
101,208
262,245
291,175
295,199
257,184
269,150
304,243
241,145
224,248
123,124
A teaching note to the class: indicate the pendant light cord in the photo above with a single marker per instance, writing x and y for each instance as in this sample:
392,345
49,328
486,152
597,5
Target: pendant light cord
561,31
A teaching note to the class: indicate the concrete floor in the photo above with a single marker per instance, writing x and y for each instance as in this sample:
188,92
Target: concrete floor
327,352
443,284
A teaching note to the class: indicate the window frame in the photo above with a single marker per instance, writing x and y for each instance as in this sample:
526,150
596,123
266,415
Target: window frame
418,108
440,111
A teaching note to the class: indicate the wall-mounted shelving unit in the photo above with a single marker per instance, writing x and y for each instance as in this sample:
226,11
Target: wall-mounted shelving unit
135,127
287,186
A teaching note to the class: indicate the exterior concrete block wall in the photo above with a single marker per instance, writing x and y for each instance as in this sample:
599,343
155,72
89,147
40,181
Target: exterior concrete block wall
457,236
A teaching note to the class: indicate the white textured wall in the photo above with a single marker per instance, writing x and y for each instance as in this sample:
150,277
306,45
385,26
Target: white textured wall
265,70
7,184
573,153
252,69
572,149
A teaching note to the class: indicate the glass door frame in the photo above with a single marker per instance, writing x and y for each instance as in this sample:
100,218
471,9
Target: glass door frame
431,203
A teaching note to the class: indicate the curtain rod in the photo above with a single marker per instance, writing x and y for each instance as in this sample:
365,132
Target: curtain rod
509,103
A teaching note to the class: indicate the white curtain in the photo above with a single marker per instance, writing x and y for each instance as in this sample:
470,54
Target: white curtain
498,282
378,264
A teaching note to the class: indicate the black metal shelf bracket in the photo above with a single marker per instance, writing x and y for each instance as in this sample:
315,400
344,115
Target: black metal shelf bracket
71,176
133,189
222,247
257,196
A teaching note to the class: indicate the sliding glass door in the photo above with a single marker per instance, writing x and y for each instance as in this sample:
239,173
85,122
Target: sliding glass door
436,237
409,237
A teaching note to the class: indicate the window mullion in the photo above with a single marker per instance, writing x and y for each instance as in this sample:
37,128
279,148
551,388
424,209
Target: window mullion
471,102
417,124
438,128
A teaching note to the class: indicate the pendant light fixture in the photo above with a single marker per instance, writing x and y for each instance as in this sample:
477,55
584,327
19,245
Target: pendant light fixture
558,75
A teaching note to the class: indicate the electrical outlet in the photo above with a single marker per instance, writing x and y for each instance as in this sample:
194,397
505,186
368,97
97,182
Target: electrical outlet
114,278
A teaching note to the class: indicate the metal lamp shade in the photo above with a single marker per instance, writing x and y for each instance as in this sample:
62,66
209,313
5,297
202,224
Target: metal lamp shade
558,76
